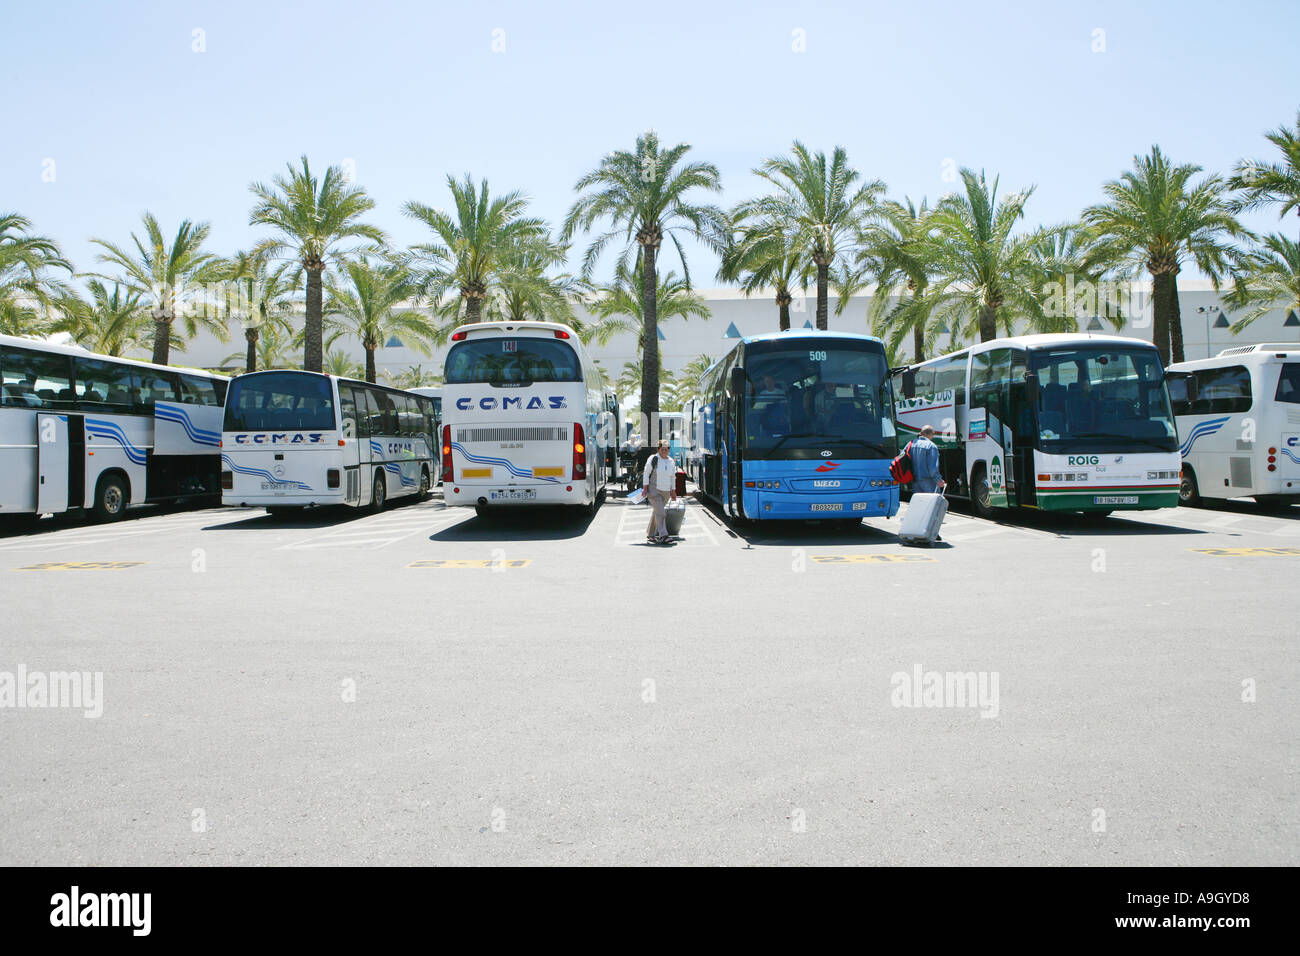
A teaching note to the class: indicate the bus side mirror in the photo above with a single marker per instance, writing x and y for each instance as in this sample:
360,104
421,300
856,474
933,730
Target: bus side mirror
1031,387
909,384
738,381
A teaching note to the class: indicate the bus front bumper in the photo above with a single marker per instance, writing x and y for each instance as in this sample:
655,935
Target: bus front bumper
812,507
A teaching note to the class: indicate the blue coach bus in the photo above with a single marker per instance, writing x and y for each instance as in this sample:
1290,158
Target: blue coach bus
799,425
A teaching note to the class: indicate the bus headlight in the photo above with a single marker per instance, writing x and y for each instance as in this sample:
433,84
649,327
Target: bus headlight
1162,475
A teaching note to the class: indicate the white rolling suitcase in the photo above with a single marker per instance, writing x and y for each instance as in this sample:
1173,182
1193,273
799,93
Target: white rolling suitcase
922,519
674,512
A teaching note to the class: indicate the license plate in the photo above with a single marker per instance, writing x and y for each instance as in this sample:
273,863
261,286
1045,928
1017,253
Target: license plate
1115,500
513,494
834,507
279,487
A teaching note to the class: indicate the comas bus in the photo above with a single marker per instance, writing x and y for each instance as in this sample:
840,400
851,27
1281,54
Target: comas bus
1078,423
1239,423
95,433
296,439
798,425
526,418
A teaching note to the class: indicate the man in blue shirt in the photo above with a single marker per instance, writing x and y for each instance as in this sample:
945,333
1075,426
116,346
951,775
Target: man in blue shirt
926,478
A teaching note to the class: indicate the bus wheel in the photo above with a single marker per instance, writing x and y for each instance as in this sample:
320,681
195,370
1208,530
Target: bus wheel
981,494
378,492
425,485
111,498
1097,515
1189,495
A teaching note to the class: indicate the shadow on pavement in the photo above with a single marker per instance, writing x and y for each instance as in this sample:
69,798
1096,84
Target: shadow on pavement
521,524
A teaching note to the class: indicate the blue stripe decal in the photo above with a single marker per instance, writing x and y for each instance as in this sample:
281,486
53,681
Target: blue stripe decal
1290,454
514,469
104,429
1204,428
393,468
263,474
200,436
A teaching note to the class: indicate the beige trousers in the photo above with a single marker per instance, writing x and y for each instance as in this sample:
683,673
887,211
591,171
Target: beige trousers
658,525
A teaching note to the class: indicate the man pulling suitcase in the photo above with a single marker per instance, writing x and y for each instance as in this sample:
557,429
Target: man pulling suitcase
926,510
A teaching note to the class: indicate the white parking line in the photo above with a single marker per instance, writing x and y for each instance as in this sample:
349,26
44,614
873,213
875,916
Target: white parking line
379,531
633,519
56,539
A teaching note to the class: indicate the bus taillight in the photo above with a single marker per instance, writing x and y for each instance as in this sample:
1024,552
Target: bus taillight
579,453
446,454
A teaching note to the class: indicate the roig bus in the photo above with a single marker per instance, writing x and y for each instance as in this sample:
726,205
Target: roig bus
526,420
1077,423
86,431
1239,421
296,439
798,425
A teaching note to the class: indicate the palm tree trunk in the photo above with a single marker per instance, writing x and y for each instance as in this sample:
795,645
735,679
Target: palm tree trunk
823,281
1160,308
473,309
988,323
313,355
370,365
649,332
250,358
162,341
1175,321
783,309
918,341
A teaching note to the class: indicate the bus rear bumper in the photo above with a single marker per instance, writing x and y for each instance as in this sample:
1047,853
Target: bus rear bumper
234,499
515,496
1108,501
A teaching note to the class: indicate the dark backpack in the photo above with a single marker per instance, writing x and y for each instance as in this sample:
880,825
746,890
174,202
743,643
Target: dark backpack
900,469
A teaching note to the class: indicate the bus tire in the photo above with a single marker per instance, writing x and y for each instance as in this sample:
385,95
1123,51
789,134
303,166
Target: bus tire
426,486
280,511
1097,515
378,491
1189,494
981,493
112,496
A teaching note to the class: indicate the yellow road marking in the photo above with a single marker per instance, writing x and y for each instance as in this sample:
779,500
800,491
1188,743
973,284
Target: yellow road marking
870,558
82,566
511,563
1242,552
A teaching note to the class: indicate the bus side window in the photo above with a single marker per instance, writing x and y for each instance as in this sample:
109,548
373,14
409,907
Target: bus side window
198,391
347,411
37,379
1181,389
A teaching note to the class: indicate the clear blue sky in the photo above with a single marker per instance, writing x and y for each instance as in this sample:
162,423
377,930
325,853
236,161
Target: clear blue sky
135,120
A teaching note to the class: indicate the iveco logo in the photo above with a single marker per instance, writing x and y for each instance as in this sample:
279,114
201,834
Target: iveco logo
826,454
826,484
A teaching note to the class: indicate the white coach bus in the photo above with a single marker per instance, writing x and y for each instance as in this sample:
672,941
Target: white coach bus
295,439
525,420
1239,420
1077,423
86,431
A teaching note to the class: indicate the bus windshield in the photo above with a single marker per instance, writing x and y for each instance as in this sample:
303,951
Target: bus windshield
1091,397
280,401
822,394
510,362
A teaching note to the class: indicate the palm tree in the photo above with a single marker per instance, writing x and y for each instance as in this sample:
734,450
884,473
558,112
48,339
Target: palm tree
369,308
475,246
1073,284
765,256
692,378
822,204
986,277
262,297
342,364
311,217
646,196
165,275
1267,278
110,322
27,291
619,308
1156,219
896,248
1263,184
632,376
526,291
275,344
415,376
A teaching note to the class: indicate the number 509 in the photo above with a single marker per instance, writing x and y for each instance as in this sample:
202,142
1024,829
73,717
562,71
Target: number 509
817,356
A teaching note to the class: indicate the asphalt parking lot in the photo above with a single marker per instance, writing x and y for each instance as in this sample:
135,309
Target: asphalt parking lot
422,686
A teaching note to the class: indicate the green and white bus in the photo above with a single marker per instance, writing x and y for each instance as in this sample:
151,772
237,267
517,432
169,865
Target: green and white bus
1078,423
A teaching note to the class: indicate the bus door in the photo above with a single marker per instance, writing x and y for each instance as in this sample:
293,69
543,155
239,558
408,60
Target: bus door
60,468
353,448
369,422
1021,421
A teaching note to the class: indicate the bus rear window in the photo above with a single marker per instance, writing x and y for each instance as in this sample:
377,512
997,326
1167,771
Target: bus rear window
1288,386
512,361
280,401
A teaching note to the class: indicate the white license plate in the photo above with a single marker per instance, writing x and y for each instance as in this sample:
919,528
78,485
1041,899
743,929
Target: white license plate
513,494
1115,500
834,507
279,487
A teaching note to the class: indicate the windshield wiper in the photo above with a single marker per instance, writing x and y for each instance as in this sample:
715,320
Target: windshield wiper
831,438
1093,436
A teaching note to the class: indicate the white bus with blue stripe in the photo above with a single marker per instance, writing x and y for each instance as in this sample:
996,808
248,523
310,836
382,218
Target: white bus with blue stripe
799,425
525,420
95,433
1239,424
294,439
